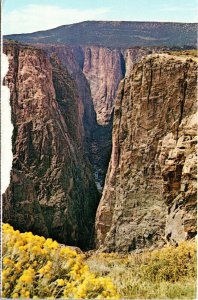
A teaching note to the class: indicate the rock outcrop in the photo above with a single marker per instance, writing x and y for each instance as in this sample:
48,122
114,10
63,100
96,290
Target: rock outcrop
52,190
97,72
133,55
72,59
149,195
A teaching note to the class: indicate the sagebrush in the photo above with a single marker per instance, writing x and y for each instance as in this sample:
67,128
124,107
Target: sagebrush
35,267
167,273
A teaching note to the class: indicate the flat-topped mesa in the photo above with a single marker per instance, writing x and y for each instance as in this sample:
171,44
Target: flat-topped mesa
52,190
149,195
116,34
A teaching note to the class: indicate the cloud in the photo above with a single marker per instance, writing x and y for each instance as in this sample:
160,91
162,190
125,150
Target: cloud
41,17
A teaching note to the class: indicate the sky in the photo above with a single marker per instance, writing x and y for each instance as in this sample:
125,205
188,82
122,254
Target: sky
23,16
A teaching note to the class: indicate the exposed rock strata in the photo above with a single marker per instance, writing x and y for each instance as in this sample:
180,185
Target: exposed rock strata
133,55
104,68
52,190
72,58
152,169
150,191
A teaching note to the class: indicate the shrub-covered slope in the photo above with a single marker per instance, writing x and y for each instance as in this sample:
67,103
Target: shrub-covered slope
35,267
167,273
116,34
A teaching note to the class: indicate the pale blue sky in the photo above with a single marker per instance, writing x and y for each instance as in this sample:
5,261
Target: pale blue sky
21,16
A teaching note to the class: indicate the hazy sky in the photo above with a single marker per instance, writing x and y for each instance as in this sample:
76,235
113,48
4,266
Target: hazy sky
21,16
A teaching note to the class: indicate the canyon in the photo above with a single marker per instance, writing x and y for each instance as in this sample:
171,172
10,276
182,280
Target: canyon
104,138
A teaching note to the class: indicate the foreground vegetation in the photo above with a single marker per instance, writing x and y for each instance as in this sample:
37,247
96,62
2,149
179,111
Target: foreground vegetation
35,267
168,273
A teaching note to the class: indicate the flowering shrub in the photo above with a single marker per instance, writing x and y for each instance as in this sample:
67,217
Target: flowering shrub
166,273
172,263
35,267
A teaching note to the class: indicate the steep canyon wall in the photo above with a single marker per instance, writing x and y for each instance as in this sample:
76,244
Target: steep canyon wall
97,72
52,190
149,195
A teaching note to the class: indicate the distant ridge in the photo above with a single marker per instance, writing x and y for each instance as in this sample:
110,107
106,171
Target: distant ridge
120,34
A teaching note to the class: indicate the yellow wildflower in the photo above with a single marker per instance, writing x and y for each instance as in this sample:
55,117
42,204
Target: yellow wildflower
15,295
60,282
6,261
23,252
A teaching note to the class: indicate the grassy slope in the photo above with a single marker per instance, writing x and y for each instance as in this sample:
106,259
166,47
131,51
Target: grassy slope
168,273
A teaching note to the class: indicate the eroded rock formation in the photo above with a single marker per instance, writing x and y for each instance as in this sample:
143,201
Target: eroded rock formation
152,170
52,190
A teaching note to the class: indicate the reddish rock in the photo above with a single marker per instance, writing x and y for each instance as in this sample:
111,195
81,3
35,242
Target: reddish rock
52,190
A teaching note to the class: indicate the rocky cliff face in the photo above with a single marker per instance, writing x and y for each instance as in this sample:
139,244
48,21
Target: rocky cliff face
133,55
72,58
97,138
103,68
62,99
178,159
52,190
152,169
97,72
